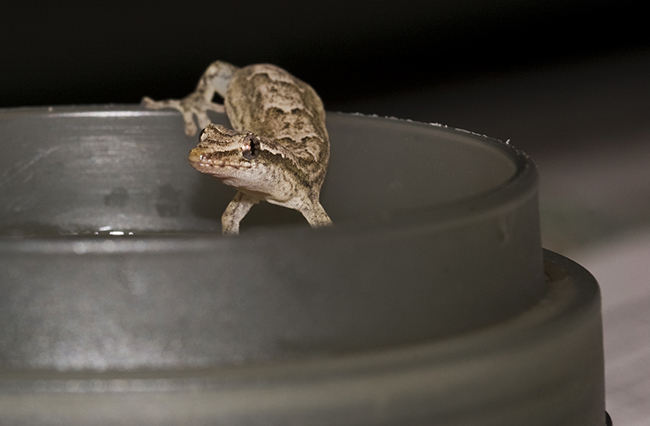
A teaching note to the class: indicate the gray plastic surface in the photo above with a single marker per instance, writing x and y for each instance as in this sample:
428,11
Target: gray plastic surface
427,302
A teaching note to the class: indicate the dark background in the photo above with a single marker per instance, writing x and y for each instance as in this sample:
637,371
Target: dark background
115,52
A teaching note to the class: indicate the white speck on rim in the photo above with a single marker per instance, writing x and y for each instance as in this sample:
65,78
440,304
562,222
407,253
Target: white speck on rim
79,248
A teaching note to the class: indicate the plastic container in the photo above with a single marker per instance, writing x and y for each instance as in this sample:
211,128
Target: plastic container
429,302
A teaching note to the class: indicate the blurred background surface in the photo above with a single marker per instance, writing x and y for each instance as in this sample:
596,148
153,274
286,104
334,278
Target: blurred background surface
565,81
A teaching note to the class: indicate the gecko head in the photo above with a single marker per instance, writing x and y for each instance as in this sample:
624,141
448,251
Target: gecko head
251,163
221,151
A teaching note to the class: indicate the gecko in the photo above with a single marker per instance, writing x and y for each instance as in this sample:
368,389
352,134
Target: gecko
278,148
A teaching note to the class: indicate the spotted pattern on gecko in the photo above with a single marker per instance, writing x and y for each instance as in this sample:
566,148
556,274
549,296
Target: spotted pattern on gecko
278,148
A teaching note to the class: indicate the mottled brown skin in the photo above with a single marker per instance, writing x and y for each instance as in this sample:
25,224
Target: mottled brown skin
279,148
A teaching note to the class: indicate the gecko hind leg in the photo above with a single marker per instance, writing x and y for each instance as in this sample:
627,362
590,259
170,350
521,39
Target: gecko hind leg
191,106
215,79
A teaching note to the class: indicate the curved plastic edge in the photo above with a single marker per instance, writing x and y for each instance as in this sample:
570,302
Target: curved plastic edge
543,367
520,187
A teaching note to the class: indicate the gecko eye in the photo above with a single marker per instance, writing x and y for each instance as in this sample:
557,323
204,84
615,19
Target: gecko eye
201,135
251,147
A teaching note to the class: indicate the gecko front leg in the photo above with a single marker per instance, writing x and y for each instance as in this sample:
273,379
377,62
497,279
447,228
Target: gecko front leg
242,203
235,212
316,215
215,79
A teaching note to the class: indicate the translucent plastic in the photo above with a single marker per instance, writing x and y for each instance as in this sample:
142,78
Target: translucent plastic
427,301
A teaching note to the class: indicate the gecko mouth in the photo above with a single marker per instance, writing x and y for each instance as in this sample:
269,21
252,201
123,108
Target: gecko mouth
200,162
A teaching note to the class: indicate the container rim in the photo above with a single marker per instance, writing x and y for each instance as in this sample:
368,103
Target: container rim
521,186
